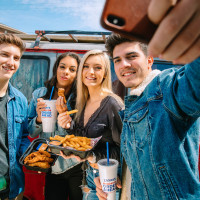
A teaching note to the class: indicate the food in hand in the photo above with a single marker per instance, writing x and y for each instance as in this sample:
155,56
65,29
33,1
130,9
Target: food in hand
39,158
71,112
61,93
76,142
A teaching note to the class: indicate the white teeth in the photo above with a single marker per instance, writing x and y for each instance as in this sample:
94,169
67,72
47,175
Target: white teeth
90,78
7,68
127,74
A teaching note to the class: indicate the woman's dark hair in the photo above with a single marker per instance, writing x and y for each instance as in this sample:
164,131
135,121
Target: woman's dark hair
52,82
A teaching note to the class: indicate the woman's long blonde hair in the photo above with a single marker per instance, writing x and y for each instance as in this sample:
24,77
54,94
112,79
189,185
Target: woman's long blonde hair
106,85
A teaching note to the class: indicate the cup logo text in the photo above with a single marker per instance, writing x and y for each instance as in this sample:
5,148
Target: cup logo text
109,185
47,113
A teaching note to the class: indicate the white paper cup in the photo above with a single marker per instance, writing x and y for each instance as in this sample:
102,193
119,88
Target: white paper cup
108,177
49,116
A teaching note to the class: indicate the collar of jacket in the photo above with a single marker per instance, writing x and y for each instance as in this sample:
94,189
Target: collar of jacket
11,92
138,91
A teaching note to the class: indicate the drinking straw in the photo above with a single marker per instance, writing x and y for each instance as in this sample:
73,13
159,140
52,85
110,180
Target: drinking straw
107,153
51,93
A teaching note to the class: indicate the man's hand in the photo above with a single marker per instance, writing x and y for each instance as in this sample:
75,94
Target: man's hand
178,35
102,195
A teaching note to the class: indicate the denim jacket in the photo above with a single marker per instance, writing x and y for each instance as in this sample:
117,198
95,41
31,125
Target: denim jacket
160,136
61,165
18,141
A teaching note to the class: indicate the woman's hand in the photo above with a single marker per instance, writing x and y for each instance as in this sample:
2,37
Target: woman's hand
71,156
64,120
102,195
178,35
89,158
60,105
40,107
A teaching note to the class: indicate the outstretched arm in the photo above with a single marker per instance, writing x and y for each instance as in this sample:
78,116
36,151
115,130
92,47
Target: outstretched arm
178,35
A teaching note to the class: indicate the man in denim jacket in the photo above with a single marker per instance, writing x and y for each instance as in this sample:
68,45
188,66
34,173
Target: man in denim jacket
161,125
13,119
160,136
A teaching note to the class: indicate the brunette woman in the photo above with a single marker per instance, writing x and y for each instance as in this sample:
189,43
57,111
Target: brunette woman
66,176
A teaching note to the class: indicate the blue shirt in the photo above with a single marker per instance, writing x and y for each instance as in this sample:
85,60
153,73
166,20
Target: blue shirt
17,108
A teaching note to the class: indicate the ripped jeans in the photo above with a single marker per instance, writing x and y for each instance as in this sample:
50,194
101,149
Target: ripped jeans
89,190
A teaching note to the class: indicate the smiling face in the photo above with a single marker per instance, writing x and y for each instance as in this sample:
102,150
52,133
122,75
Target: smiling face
93,71
66,72
9,61
131,65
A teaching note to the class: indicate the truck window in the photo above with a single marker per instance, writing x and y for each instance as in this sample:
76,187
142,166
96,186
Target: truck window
32,73
162,65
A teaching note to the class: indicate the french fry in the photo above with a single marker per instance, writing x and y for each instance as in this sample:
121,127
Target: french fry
77,145
81,149
76,142
67,143
57,137
51,138
71,112
66,138
80,143
72,143
88,147
84,141
64,145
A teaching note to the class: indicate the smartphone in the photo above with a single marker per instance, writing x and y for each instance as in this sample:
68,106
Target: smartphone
128,18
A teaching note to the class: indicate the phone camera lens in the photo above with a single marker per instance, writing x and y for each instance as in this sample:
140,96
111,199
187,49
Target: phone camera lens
115,20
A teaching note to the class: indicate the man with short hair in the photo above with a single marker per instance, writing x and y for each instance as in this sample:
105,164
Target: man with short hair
161,124
13,119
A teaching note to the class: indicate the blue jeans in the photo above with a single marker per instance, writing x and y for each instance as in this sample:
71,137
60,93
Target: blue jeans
89,190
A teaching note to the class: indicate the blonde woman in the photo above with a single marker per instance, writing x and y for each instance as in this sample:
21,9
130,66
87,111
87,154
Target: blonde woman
97,115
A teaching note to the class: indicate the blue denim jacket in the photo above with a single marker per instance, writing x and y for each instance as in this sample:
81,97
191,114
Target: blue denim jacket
17,108
160,136
61,165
